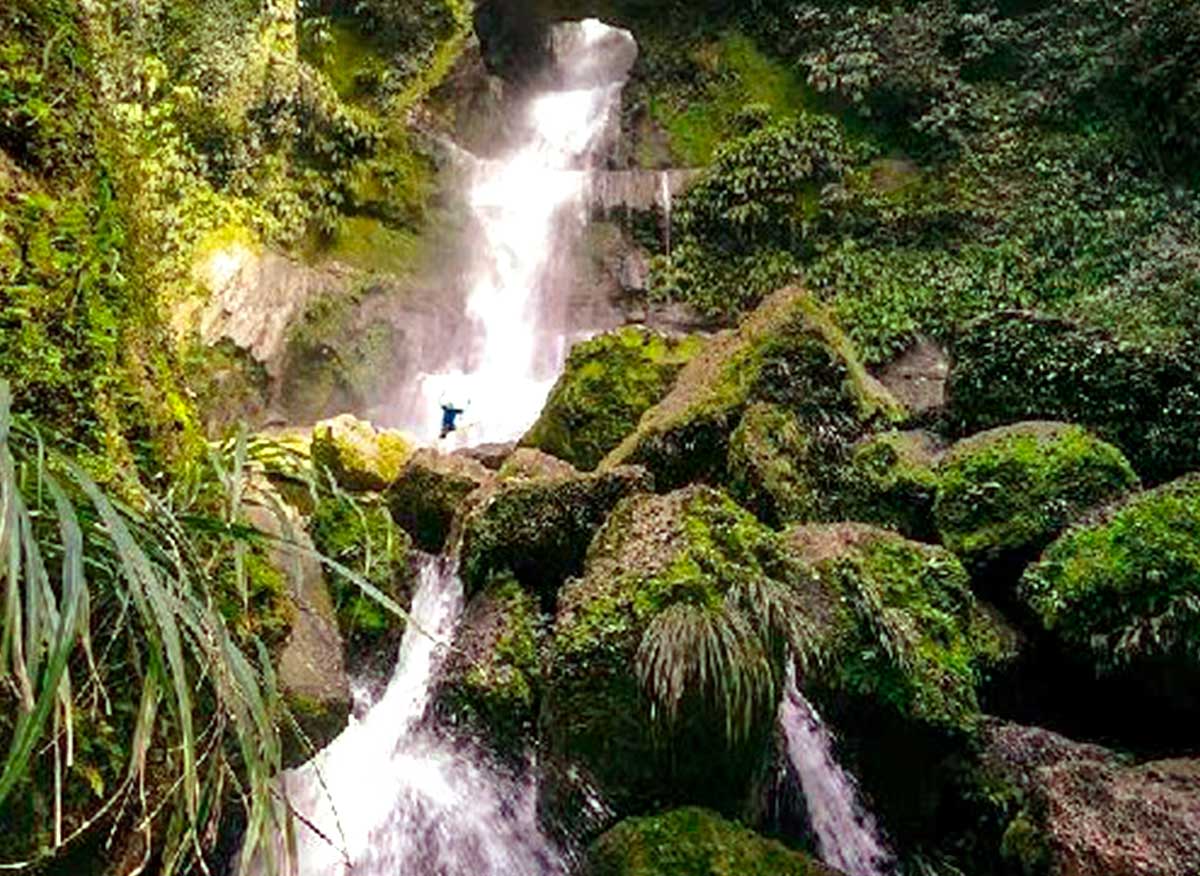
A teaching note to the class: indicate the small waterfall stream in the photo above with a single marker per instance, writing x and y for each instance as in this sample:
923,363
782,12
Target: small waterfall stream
390,796
847,836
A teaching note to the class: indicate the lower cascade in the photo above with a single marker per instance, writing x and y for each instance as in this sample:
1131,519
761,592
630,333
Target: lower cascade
391,796
847,836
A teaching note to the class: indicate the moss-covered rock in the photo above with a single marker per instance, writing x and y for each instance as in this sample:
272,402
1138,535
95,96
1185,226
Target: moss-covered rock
900,677
772,469
361,536
694,842
539,527
526,463
892,481
1004,494
492,680
359,457
668,580
789,353
430,491
608,383
1122,591
1017,365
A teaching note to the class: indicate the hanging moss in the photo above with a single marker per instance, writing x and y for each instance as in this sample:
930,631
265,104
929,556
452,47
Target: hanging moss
608,383
1004,494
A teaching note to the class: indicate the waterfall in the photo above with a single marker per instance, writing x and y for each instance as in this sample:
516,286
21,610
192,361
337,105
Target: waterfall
665,193
390,796
847,835
522,207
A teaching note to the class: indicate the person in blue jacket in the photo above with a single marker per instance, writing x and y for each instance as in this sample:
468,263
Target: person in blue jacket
450,415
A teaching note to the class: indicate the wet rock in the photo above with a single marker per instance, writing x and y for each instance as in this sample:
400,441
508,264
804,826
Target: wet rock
538,520
430,491
1004,494
789,353
694,842
608,383
359,457
663,575
1081,810
490,456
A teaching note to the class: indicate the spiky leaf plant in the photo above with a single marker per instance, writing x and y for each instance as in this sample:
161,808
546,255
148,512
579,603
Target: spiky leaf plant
126,690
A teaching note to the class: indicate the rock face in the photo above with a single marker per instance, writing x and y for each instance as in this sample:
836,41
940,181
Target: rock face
694,842
539,527
609,382
310,670
429,492
1018,365
899,678
491,683
789,353
1088,813
630,700
358,457
1122,593
1004,494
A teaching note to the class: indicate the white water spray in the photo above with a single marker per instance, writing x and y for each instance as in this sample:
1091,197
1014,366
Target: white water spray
390,797
847,836
523,206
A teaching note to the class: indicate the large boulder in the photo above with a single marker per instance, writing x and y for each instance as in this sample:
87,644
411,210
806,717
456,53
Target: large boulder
1122,593
539,527
1017,365
901,674
359,457
694,842
664,663
608,383
430,491
789,353
892,480
491,682
1004,494
1081,810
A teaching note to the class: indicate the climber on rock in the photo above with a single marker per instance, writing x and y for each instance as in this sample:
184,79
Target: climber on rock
450,415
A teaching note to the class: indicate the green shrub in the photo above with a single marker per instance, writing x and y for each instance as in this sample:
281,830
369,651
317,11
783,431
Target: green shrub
1004,494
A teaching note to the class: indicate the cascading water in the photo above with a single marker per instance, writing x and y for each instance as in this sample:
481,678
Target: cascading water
847,835
523,206
390,796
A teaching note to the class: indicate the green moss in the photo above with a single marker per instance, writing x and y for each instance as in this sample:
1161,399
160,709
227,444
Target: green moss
254,596
1005,494
892,481
357,456
660,554
1124,589
492,683
772,466
367,243
360,535
693,842
430,492
608,383
539,528
787,352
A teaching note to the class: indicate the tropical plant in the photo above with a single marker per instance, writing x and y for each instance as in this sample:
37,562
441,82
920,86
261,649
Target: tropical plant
137,699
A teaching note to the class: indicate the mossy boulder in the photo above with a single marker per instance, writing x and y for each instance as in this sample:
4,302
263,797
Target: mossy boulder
1122,592
492,680
788,352
360,535
608,383
1017,365
429,493
1003,495
900,677
663,570
539,527
892,481
1075,808
359,457
694,842
772,469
